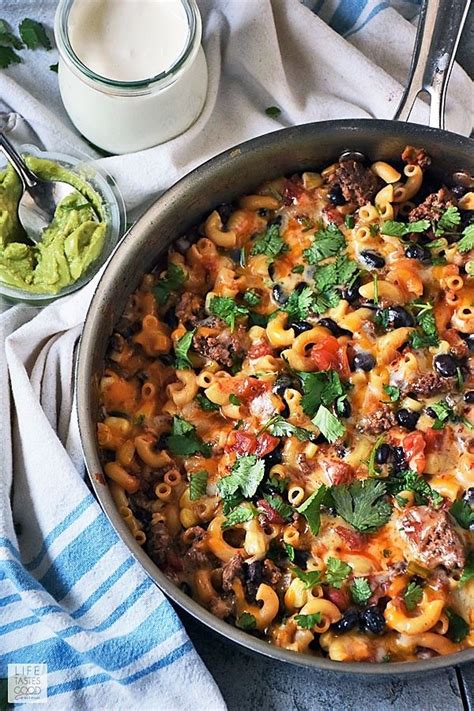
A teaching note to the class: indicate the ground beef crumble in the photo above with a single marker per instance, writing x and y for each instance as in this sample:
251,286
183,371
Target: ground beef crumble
358,184
433,206
377,422
430,384
416,156
225,348
432,537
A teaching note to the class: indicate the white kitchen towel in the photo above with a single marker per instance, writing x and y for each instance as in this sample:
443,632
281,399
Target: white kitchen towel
71,595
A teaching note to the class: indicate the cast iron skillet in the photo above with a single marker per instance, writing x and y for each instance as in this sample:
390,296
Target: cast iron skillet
233,173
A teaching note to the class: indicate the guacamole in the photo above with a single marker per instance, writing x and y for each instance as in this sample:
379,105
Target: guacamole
72,241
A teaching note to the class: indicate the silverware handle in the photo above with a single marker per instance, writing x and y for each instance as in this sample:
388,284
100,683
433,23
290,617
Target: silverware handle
437,38
27,177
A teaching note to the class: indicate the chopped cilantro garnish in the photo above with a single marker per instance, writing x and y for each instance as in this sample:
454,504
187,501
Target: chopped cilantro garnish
281,507
322,388
8,56
279,427
175,278
412,596
197,485
444,413
7,37
328,424
336,572
299,304
349,221
206,404
408,480
361,591
466,243
393,392
33,34
311,509
234,400
361,504
226,309
241,514
310,578
463,513
391,228
271,243
184,440
298,269
427,333
450,218
181,349
307,622
246,475
290,552
246,621
252,298
468,572
458,628
273,111
327,242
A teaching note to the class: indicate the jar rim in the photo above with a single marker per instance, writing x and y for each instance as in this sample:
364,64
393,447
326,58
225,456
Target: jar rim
165,77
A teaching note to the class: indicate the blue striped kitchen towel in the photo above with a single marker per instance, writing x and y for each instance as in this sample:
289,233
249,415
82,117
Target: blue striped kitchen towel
71,596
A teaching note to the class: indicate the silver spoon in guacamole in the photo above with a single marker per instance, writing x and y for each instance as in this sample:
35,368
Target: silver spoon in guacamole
40,198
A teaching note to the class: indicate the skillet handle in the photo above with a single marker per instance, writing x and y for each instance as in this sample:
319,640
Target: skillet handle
437,38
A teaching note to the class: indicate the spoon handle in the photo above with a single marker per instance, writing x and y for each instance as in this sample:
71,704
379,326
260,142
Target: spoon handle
27,177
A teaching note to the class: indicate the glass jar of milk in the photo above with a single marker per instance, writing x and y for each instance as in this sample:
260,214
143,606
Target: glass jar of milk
132,73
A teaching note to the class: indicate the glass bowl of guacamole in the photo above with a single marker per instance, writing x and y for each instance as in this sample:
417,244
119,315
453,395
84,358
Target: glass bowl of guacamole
76,243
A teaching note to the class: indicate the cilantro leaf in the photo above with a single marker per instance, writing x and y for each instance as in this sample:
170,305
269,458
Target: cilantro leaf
466,243
225,308
206,404
241,514
33,34
181,349
280,506
307,622
7,37
392,228
444,413
234,400
246,475
175,278
393,392
328,424
185,441
252,298
298,269
463,513
321,388
361,591
427,334
325,300
412,596
450,218
458,628
468,572
336,572
8,56
408,480
279,427
54,67
310,578
273,112
299,304
197,485
290,552
271,243
361,504
311,509
327,242
246,621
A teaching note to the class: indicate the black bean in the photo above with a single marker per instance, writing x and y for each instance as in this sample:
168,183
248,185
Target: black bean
271,271
167,359
253,573
300,286
171,319
225,210
301,558
335,196
383,453
347,622
469,496
445,365
372,620
332,326
469,397
431,413
363,361
400,462
281,384
273,457
398,317
407,418
417,251
344,408
275,221
278,294
459,190
469,341
351,293
372,259
301,326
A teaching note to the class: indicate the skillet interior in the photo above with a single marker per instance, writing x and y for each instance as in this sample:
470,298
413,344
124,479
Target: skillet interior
222,179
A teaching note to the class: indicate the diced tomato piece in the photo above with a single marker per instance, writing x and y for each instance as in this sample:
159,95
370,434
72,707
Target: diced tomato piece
269,512
266,443
325,354
291,191
353,539
259,349
339,472
339,597
414,446
434,440
333,215
244,443
250,388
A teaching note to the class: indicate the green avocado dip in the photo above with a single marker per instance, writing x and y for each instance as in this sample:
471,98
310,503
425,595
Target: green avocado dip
72,241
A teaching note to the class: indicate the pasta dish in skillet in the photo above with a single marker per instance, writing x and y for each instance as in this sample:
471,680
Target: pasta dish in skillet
287,408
